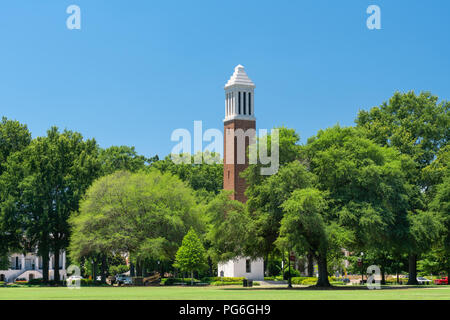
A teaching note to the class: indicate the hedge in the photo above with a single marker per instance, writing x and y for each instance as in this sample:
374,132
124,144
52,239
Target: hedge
173,281
274,278
222,279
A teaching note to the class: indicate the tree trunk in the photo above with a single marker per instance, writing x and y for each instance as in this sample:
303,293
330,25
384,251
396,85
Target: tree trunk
448,277
192,277
56,268
94,269
412,270
104,268
310,257
266,265
45,263
383,275
138,268
132,269
323,271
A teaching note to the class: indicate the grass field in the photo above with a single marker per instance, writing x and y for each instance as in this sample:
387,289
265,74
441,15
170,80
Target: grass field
221,293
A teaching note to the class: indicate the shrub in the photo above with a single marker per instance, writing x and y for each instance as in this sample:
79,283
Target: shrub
173,281
294,273
40,282
224,279
274,278
305,281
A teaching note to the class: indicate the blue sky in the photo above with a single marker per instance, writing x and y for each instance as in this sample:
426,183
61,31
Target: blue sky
137,70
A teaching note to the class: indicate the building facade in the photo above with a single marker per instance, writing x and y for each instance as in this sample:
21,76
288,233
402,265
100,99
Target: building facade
239,132
29,266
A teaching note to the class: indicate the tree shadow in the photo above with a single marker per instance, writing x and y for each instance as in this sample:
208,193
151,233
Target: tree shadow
332,288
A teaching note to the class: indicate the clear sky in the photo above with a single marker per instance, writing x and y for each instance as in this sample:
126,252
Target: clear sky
137,70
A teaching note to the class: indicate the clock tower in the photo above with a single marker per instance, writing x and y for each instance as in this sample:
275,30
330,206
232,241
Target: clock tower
239,133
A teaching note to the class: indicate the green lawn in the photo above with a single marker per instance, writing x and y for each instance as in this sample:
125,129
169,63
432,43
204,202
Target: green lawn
222,293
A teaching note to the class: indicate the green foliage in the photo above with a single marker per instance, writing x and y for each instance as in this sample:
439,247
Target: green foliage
305,281
191,255
43,183
175,281
206,176
229,229
114,270
145,214
222,279
417,125
265,201
14,137
117,158
294,273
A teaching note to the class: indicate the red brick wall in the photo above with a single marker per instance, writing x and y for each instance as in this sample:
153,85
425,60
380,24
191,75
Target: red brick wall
231,179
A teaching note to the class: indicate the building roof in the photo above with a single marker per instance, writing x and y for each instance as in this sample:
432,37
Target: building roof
239,77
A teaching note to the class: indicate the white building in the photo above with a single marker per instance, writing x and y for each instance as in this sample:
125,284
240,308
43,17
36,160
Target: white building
29,266
242,267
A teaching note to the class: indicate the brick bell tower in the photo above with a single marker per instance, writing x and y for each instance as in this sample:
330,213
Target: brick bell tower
239,130
239,114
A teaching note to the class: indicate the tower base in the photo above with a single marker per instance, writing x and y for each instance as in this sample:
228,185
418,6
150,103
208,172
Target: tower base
242,267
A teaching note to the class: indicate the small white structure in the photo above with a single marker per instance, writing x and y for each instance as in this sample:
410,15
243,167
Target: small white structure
242,267
29,266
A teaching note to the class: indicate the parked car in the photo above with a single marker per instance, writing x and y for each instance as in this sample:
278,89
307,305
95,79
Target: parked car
444,280
422,280
123,279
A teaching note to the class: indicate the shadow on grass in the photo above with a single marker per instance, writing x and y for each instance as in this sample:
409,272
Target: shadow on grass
334,288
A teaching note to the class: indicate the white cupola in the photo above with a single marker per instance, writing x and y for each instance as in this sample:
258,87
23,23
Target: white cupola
239,96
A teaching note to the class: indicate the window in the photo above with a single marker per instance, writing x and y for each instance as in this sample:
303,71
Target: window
239,103
248,266
228,174
250,103
245,102
17,263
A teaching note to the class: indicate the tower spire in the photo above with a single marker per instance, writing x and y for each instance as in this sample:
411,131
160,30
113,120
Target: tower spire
239,96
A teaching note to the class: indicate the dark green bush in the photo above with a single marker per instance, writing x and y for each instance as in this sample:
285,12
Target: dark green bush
222,279
294,273
172,281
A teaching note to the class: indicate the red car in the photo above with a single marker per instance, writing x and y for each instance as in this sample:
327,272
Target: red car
444,280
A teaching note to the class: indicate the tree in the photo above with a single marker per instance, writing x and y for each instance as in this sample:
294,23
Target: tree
266,193
366,185
143,214
206,176
306,226
118,158
44,183
265,200
441,206
416,125
191,256
230,229
14,137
